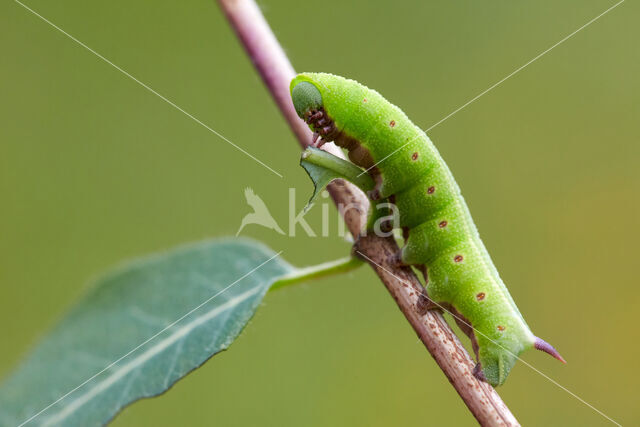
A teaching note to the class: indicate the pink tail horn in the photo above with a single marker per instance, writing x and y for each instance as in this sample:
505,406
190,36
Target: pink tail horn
542,345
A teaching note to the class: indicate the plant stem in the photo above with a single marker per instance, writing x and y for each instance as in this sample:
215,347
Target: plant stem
403,285
319,271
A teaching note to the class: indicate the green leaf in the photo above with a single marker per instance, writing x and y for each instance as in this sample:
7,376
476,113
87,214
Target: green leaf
139,330
324,167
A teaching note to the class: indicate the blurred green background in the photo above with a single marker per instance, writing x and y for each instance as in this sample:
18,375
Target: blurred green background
95,169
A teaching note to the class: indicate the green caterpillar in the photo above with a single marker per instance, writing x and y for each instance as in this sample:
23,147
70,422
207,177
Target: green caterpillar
440,236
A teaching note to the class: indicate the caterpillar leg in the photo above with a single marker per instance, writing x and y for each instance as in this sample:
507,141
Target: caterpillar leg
393,260
386,226
477,372
374,194
426,304
396,259
324,128
317,140
378,191
466,327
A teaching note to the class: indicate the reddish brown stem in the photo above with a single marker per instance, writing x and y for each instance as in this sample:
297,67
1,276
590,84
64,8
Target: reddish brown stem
276,72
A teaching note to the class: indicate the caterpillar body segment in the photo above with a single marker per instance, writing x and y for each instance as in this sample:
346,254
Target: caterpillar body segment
442,236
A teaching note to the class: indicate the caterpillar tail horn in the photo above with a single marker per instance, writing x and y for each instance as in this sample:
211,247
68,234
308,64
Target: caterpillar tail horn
542,345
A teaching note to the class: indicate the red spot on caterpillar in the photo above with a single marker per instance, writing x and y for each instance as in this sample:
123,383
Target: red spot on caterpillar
364,100
480,296
458,258
442,224
392,123
414,156
501,328
431,189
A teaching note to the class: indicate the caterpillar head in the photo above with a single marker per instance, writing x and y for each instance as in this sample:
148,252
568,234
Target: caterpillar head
306,97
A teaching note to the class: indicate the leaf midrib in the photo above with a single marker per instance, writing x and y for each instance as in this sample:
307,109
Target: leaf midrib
143,357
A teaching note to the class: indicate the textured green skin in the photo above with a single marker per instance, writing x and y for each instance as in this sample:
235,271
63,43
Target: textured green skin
455,283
